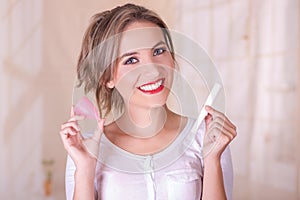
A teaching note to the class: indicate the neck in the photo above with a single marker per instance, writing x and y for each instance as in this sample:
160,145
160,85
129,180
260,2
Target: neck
143,122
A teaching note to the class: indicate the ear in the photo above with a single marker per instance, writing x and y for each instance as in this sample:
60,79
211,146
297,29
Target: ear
110,84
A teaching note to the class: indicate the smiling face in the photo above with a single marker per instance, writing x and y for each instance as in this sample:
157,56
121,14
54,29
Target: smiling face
145,66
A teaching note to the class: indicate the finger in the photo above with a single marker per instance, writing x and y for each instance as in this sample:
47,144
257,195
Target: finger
79,136
69,131
224,123
221,130
99,130
64,139
72,124
72,111
213,111
229,123
208,119
217,113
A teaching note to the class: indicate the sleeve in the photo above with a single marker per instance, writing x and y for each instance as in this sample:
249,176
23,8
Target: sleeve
69,178
226,164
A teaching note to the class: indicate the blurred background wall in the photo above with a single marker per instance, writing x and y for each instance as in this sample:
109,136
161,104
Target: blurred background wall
254,43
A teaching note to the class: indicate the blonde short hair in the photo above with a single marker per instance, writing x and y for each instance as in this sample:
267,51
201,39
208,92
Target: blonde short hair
97,58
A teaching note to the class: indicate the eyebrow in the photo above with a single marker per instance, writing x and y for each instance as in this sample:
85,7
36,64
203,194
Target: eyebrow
159,43
128,54
133,53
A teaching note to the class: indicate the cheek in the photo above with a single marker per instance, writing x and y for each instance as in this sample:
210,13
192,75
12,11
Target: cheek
166,60
125,82
127,75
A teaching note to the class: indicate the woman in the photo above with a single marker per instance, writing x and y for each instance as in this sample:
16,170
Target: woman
127,59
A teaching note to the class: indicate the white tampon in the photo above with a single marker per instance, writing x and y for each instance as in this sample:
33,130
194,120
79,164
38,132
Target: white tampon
209,101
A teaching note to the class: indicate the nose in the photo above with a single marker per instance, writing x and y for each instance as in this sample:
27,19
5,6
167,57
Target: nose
150,68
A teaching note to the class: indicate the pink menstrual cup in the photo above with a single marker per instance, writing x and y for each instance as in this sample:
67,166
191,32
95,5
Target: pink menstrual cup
86,108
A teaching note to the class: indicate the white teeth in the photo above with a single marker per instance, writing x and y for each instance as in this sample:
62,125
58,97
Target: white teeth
153,86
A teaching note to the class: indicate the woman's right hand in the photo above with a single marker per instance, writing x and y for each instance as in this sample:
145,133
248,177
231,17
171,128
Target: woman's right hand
84,152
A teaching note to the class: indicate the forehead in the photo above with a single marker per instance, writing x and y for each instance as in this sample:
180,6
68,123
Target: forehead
140,35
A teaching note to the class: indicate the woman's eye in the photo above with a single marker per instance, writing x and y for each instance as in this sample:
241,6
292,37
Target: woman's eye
159,51
131,61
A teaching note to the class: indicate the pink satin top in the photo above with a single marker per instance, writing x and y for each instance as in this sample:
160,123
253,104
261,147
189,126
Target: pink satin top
174,173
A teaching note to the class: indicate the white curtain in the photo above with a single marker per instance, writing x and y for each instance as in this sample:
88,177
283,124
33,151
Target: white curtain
22,102
255,45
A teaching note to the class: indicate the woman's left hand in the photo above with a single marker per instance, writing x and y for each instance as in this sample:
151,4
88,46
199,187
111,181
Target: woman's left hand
220,131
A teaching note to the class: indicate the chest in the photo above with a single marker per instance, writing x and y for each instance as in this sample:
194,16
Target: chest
181,179
145,146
